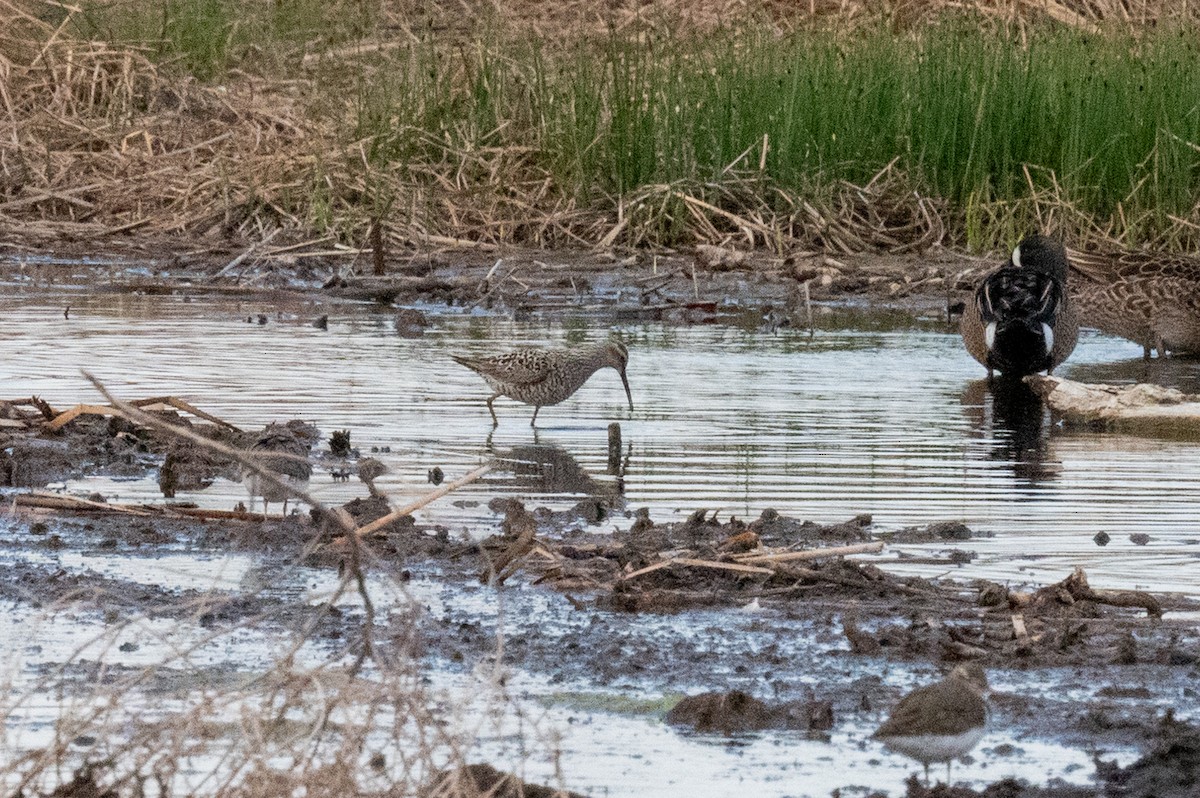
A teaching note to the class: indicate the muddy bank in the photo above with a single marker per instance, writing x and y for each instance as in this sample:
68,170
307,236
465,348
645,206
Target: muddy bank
686,287
805,656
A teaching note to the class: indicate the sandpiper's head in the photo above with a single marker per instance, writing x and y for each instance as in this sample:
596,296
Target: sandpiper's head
1042,254
973,674
617,356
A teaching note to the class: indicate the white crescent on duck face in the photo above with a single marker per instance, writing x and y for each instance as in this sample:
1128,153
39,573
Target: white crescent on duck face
1020,319
541,376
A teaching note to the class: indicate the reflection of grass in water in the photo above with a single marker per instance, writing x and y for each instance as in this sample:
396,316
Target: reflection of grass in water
879,320
312,722
613,703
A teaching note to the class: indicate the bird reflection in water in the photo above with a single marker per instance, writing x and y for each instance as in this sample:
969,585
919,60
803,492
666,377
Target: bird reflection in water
1017,422
544,469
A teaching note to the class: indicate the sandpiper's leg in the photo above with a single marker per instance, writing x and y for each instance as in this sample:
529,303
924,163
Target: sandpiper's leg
948,782
1162,348
1147,348
926,773
533,420
492,410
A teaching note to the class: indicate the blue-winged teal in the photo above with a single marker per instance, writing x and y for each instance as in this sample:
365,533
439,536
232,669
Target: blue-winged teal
941,721
541,377
282,449
1150,298
1021,320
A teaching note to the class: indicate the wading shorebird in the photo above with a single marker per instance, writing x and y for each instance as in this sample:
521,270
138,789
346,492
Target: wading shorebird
1021,320
1150,298
941,721
541,377
282,449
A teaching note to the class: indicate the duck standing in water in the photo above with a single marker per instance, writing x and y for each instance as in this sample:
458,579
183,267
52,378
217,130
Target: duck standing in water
1152,298
1020,320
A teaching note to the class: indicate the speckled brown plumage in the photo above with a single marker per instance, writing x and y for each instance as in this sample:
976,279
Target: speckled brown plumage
1150,298
1020,320
940,721
541,377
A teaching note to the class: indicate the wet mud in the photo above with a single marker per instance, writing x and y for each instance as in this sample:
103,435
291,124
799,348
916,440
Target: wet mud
1114,661
1125,653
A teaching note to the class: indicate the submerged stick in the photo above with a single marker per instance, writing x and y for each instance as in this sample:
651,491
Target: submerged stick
433,495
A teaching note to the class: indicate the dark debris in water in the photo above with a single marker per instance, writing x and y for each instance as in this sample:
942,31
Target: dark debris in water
737,712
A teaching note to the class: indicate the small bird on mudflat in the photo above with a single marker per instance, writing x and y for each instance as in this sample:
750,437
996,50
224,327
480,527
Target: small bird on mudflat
941,721
541,377
282,449
1021,320
1152,298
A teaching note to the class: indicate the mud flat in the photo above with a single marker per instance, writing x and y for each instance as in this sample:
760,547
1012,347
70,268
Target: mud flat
785,624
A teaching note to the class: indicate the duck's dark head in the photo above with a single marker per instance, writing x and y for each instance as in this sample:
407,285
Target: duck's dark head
1041,254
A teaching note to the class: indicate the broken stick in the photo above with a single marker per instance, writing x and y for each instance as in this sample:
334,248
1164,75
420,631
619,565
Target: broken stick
433,495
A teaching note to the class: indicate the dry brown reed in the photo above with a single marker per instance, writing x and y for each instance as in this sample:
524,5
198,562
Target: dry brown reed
99,146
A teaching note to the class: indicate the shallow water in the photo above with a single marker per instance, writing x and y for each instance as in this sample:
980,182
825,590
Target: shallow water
862,416
895,422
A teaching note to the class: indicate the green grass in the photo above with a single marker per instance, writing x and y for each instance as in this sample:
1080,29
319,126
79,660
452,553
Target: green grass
209,37
1106,125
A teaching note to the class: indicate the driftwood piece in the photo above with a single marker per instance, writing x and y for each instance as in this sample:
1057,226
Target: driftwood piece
154,403
758,563
691,562
1143,407
809,554
54,501
1075,588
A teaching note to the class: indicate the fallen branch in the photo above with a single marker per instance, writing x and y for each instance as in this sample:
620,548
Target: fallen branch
54,501
693,563
810,554
411,508
722,566
1144,407
67,416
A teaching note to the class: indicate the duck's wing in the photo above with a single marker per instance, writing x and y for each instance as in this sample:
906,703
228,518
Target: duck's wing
1019,295
1136,266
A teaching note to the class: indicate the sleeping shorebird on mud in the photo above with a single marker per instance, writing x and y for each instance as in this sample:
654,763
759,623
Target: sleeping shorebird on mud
541,377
